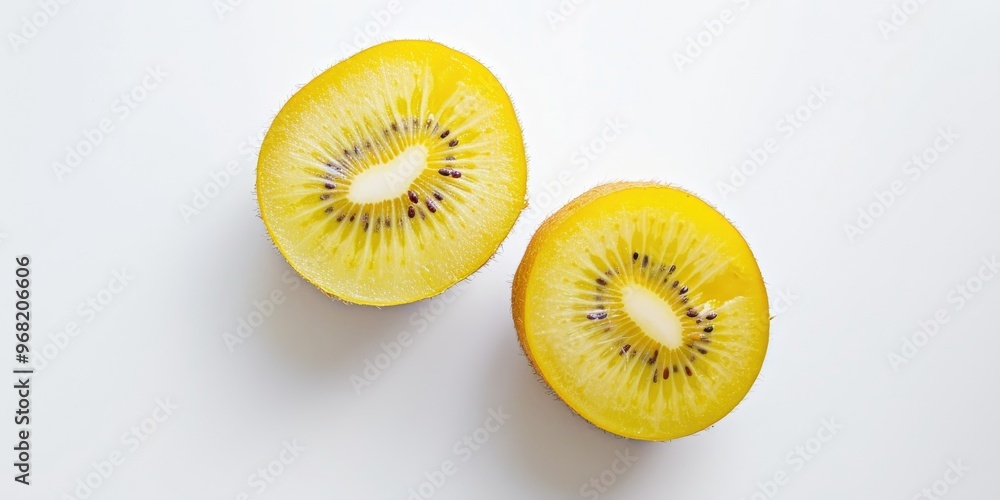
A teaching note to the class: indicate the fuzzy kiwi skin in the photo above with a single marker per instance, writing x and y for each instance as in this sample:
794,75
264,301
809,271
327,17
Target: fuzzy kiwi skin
520,283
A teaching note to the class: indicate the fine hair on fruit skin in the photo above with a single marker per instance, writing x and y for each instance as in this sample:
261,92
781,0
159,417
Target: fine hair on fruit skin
643,309
394,174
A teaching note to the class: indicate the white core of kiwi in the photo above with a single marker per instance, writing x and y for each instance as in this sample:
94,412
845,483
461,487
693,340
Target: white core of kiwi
389,180
653,315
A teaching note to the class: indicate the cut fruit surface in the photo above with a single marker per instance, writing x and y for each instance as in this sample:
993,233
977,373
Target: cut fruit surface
394,174
644,309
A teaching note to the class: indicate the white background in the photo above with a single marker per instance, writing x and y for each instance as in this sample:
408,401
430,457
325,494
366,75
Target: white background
844,303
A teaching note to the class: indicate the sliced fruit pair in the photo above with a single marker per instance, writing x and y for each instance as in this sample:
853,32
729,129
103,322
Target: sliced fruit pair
398,172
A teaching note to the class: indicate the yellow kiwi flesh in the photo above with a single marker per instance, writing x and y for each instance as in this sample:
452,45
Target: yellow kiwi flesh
644,309
394,174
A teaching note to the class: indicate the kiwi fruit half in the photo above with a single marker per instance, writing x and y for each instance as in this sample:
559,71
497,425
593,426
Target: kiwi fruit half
394,174
643,309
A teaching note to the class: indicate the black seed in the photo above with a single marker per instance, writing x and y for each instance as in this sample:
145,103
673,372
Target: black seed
675,284
703,350
691,313
687,370
445,171
413,196
388,222
411,212
625,348
685,300
683,290
635,255
666,373
328,209
352,217
708,329
329,185
449,158
347,153
428,124
445,133
655,373
698,321
645,260
368,144
324,196
431,206
672,269
456,174
453,143
602,282
416,123
653,359
438,196
711,315
395,128
597,315
357,150
675,369
340,217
